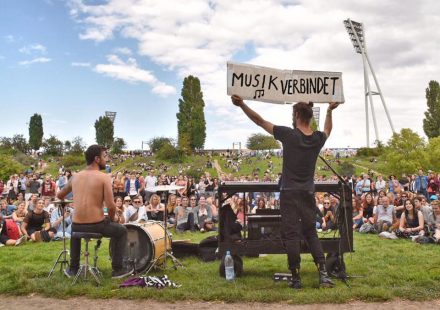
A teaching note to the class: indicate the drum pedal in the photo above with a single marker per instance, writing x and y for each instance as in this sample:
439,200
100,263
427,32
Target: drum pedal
277,277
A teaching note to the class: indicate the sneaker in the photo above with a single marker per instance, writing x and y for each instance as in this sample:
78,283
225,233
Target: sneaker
21,240
122,273
1,244
69,272
319,230
202,230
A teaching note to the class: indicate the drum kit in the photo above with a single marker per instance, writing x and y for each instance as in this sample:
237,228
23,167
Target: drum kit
149,244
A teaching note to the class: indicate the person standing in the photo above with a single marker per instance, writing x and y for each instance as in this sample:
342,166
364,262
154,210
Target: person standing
301,147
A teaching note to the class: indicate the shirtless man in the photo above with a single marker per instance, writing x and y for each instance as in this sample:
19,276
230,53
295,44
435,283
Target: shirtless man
92,191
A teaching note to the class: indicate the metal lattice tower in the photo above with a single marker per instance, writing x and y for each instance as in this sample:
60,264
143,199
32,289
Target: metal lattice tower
111,115
357,36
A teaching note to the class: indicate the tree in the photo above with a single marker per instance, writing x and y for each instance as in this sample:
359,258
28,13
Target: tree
36,132
53,146
6,143
433,153
157,143
78,146
67,146
118,145
19,143
405,152
431,123
259,141
191,124
314,125
347,169
9,166
170,153
104,131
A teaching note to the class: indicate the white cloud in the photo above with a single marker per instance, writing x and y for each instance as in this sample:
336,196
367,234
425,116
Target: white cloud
80,64
129,71
33,48
34,61
123,51
198,37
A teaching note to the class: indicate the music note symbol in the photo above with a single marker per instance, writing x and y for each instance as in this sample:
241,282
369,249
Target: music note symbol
259,93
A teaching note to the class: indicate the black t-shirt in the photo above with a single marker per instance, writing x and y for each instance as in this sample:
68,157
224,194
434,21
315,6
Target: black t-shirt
300,153
36,221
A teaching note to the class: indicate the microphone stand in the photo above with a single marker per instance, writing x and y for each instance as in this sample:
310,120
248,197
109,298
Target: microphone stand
62,259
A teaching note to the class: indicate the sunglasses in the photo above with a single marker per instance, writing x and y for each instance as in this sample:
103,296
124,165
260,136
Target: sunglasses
326,203
136,201
127,200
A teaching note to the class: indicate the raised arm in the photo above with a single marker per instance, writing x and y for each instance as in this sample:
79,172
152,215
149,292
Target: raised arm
328,125
254,116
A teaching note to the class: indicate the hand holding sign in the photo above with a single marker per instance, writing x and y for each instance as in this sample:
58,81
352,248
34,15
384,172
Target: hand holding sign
237,100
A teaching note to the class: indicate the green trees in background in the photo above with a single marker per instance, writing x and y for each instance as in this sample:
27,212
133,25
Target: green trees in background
431,123
53,146
259,141
191,124
157,143
104,131
36,132
118,145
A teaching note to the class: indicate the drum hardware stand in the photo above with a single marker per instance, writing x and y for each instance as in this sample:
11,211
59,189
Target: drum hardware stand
95,259
169,253
131,260
62,259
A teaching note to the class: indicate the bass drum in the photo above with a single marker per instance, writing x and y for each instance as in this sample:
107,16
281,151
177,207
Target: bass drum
145,245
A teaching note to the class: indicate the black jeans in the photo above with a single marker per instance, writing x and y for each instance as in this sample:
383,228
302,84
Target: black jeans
117,233
298,220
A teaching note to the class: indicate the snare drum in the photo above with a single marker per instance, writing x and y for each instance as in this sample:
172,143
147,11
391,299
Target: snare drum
145,245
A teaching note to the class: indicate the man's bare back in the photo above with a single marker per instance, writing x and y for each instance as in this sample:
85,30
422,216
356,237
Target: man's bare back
91,189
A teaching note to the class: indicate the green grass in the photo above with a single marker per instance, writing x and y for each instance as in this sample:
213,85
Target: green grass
389,269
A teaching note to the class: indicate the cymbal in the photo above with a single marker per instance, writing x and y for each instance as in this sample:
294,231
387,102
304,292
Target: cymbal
164,188
62,202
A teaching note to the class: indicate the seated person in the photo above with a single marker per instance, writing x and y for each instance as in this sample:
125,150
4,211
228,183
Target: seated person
358,213
10,233
155,210
119,214
432,223
261,204
135,212
56,221
6,210
328,219
383,215
411,221
214,210
171,206
36,224
19,214
184,216
203,215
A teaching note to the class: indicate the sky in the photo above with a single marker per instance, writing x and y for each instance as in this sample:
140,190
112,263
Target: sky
72,60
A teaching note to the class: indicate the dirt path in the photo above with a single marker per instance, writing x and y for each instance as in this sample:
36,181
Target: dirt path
33,301
366,169
218,168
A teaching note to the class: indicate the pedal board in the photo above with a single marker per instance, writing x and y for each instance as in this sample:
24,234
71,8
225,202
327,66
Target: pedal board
282,277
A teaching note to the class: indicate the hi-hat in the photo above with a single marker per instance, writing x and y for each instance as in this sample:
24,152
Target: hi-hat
164,188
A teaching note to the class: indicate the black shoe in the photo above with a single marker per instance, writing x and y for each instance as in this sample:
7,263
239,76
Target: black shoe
324,279
69,272
122,273
295,283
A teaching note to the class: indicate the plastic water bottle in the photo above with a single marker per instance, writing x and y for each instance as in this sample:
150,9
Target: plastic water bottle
229,267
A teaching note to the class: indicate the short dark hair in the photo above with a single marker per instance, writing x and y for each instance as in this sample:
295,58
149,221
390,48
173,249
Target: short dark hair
93,151
304,110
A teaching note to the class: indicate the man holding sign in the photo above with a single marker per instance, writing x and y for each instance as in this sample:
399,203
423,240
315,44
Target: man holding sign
301,147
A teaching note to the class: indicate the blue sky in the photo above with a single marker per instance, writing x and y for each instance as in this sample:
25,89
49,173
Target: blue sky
73,60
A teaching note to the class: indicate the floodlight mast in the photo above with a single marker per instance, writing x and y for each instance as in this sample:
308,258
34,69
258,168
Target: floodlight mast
111,115
357,36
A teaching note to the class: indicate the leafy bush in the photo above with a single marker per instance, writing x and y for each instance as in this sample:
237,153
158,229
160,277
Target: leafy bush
9,166
368,152
346,169
157,143
171,154
194,173
73,160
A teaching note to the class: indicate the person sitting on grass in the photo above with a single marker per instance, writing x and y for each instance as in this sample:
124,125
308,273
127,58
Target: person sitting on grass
328,219
19,214
411,222
433,222
9,233
383,215
57,222
203,215
184,217
36,224
358,218
171,207
119,214
155,210
368,208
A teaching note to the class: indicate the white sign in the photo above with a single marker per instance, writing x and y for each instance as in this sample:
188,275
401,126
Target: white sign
284,86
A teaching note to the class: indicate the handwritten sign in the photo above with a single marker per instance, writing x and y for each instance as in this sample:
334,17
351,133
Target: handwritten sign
283,86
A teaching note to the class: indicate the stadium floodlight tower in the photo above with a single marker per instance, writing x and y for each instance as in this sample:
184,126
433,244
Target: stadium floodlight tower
111,115
357,36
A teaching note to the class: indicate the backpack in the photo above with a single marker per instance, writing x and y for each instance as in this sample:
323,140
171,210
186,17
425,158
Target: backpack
12,229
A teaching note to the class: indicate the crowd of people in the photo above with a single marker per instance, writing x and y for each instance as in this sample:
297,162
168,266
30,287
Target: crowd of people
405,207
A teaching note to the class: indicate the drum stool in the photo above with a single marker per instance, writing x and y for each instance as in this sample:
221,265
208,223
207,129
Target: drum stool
86,268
